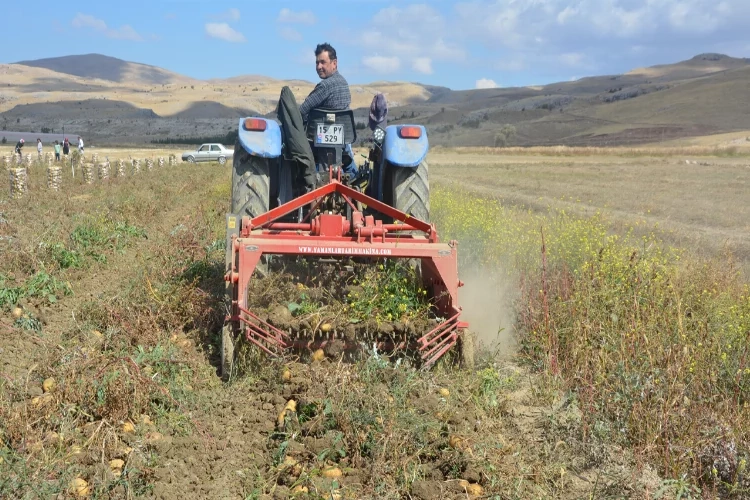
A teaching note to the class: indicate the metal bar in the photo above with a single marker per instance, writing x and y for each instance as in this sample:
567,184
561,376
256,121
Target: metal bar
293,205
447,336
399,227
288,226
394,240
424,337
438,355
349,202
251,339
385,209
294,244
254,316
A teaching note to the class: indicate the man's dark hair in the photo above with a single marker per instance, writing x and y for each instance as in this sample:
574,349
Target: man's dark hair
325,47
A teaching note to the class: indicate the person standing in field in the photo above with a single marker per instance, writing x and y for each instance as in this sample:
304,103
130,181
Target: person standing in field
39,147
66,147
80,145
57,150
19,147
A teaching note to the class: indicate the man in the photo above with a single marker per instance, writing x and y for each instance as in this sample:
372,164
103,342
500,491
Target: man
332,92
57,150
39,147
19,146
80,145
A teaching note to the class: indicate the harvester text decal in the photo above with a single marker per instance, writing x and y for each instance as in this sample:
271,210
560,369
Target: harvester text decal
346,250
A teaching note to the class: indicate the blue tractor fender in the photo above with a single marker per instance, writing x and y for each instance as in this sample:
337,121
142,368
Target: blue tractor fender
405,152
260,137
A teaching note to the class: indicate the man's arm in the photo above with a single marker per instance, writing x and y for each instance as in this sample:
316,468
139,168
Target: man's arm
316,97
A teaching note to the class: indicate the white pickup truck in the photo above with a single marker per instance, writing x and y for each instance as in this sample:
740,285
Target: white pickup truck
209,152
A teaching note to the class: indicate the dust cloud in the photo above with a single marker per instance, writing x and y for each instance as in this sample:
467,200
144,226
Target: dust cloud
487,300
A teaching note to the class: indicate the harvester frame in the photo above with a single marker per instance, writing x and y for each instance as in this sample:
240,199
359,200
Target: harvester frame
364,228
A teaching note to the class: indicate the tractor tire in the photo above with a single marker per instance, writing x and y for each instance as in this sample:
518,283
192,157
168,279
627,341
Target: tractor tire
251,183
411,190
466,345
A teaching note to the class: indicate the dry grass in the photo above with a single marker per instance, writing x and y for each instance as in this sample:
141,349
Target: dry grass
701,206
662,150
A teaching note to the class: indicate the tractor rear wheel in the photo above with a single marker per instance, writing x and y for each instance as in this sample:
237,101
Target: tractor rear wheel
251,183
410,190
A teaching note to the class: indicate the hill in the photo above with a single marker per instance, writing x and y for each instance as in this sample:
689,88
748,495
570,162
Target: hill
107,68
706,94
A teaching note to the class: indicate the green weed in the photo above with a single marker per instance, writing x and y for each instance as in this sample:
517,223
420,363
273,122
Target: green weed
41,285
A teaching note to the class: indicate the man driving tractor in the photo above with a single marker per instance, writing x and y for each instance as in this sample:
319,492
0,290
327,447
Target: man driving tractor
332,92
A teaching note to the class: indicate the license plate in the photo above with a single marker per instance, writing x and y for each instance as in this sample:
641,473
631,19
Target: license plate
330,134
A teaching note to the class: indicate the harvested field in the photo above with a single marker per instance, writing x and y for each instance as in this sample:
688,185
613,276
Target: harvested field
111,296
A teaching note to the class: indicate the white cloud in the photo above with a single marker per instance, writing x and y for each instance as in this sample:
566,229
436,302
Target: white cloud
223,31
486,83
415,33
422,65
382,64
88,21
301,17
124,32
290,34
234,14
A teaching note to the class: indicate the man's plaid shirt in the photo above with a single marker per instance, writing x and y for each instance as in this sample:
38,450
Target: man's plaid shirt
331,93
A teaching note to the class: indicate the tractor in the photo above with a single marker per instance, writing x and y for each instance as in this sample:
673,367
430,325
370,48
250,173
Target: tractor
380,210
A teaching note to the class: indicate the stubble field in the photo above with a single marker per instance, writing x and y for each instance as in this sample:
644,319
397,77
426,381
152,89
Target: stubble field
604,283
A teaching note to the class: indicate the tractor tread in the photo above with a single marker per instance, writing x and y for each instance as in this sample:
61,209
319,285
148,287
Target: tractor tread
411,191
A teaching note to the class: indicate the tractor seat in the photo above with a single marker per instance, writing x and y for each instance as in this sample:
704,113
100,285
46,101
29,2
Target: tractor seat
330,128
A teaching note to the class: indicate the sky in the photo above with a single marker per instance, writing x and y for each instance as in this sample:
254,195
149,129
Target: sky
460,44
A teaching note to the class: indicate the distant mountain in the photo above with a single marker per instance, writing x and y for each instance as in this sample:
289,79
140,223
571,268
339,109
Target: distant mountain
108,68
706,94
702,64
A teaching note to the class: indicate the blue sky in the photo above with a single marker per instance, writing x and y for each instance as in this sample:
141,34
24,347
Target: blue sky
461,44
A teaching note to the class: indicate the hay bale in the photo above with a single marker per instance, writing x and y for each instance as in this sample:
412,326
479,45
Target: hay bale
103,169
136,166
120,168
28,159
149,164
88,173
54,178
19,182
161,162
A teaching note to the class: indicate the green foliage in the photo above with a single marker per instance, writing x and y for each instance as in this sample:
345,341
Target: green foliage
387,292
64,257
95,236
304,306
40,285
